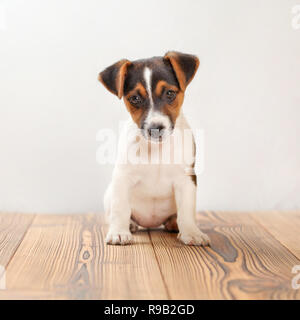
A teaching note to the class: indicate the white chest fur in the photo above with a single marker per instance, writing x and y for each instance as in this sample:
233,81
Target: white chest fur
151,173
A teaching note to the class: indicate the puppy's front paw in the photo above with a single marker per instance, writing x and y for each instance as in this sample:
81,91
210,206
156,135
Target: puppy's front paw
194,237
118,237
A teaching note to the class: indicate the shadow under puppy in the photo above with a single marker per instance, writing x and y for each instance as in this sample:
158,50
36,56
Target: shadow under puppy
148,193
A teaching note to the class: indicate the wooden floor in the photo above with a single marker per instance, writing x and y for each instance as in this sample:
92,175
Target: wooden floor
65,257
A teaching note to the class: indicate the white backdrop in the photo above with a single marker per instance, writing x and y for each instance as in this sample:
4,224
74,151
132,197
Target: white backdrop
246,97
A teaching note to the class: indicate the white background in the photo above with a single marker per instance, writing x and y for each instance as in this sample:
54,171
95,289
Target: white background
246,97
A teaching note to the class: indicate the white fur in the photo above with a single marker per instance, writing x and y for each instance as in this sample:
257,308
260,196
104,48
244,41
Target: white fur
150,193
148,79
153,116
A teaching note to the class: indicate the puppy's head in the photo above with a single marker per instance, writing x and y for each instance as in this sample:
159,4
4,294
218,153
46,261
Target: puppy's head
152,89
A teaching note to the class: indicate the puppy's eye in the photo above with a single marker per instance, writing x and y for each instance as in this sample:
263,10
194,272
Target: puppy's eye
171,95
135,100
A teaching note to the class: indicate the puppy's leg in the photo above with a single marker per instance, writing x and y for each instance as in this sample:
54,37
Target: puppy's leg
120,211
133,227
171,223
185,194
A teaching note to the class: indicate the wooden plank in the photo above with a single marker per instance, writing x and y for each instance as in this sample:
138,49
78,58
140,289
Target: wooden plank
284,226
13,227
244,262
31,295
65,256
131,272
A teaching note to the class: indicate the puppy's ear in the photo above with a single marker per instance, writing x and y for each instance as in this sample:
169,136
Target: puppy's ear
184,66
113,77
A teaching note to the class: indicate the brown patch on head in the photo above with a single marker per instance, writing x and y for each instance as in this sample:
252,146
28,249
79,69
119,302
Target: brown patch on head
172,110
113,77
139,89
137,113
184,66
161,85
120,79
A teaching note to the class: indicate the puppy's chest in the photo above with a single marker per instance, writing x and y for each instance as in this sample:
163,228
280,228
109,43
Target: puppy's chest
152,198
155,181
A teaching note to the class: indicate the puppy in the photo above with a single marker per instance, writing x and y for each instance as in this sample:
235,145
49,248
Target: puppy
152,193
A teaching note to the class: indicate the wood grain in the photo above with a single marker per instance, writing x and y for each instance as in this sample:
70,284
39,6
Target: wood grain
130,272
13,227
244,262
66,255
284,226
31,295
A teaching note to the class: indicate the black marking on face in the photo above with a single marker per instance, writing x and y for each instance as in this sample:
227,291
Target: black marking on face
161,70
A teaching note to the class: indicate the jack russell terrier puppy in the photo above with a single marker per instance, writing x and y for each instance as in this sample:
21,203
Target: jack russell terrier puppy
152,194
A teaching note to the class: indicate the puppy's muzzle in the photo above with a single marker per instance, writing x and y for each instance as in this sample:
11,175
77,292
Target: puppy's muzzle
156,131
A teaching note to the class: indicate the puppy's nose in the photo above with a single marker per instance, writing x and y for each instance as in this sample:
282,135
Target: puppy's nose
156,130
